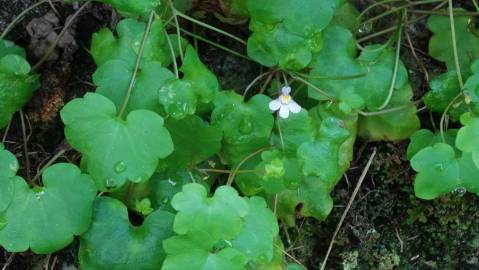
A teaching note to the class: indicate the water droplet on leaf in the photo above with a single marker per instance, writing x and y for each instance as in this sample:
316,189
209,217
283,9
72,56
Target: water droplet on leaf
120,167
459,191
39,194
110,183
439,167
13,166
246,126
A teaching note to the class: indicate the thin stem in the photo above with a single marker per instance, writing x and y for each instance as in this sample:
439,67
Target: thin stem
266,83
20,17
253,82
366,10
137,65
443,117
475,5
418,60
395,71
179,13
280,134
444,13
395,109
351,200
25,146
68,23
5,133
395,9
178,33
394,28
173,56
333,78
454,46
231,177
285,78
314,87
49,163
214,44
223,171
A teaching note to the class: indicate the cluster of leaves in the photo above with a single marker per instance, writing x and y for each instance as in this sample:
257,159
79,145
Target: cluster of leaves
16,83
151,129
448,160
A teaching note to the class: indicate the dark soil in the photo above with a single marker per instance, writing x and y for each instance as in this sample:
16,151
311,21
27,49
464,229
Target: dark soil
387,227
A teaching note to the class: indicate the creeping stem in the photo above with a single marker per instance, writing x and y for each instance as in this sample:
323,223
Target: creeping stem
137,65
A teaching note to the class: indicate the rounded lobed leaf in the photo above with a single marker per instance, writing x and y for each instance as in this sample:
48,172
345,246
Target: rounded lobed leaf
16,84
45,219
220,216
113,243
115,150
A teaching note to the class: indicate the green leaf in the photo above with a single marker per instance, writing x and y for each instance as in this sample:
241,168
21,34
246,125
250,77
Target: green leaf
467,139
440,172
287,33
191,252
113,243
440,44
8,170
336,68
115,150
7,47
471,87
113,80
349,121
259,232
302,17
131,8
424,138
16,84
220,217
347,16
246,127
444,88
320,158
204,83
315,196
194,141
159,190
295,130
395,125
276,46
272,172
181,97
45,219
224,231
105,46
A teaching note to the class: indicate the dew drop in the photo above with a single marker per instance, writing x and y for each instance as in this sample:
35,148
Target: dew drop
13,166
459,191
39,194
120,167
439,167
365,28
140,178
246,126
110,183
173,183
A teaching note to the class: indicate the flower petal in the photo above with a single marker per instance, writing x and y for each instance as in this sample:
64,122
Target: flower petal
274,105
284,111
294,107
286,90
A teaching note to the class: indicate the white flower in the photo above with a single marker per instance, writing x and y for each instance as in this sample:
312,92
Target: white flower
285,103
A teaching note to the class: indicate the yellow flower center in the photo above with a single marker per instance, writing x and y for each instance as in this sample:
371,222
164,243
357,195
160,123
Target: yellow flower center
285,99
